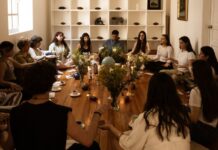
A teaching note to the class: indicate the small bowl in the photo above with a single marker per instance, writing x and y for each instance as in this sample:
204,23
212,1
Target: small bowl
63,23
136,23
99,37
80,8
154,38
117,8
79,23
61,7
155,23
97,8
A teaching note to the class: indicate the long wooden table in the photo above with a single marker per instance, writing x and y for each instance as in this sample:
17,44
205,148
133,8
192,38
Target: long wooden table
83,107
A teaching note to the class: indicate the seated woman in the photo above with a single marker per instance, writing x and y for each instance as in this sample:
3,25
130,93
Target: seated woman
204,106
7,66
23,55
182,64
59,47
207,53
43,125
35,50
85,45
141,45
163,124
163,56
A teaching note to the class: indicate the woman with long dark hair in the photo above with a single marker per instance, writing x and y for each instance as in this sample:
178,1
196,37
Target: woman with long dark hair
59,47
164,122
141,45
163,56
204,105
85,45
207,53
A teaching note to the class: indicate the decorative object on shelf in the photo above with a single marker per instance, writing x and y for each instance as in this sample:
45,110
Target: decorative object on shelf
63,23
97,8
80,8
135,38
61,7
117,8
79,23
113,78
100,37
117,21
136,23
154,38
155,23
98,21
182,12
154,4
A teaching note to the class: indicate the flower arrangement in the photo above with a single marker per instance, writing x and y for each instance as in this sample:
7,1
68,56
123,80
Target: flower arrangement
113,77
117,54
81,62
138,60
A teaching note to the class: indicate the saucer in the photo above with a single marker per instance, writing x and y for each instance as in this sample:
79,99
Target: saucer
75,94
56,89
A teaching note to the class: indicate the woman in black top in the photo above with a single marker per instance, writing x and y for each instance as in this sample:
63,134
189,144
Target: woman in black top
42,125
85,45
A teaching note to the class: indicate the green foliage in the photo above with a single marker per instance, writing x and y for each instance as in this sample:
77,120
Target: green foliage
113,78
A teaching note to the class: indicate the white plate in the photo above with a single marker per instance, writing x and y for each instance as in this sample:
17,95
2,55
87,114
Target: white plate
75,94
56,89
58,83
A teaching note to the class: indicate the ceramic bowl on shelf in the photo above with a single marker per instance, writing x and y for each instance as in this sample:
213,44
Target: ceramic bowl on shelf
79,23
97,8
80,8
117,8
154,38
100,37
136,23
155,23
63,23
62,7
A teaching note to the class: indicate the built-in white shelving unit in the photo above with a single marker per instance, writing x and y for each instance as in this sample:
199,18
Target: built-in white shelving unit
128,13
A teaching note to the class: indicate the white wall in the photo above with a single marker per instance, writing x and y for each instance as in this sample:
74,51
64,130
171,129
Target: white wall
192,28
40,23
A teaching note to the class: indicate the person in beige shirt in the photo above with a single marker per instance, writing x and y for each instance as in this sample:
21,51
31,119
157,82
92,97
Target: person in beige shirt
163,124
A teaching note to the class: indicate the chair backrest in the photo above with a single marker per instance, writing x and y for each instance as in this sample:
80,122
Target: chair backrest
8,100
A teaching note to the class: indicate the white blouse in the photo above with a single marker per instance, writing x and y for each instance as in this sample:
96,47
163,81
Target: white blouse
183,58
33,54
195,101
58,50
139,139
163,53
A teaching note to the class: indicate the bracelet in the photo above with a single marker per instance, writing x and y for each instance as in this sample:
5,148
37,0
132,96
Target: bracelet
98,113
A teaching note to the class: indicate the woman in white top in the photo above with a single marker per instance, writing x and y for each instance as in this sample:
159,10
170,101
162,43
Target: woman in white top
204,106
185,56
163,56
141,45
59,46
163,124
35,51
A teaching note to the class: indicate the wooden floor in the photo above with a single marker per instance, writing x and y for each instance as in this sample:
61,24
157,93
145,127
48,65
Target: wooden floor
83,108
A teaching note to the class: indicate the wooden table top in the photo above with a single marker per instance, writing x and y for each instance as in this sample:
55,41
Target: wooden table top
83,108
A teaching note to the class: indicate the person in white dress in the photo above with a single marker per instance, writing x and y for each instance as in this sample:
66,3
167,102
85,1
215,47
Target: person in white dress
203,102
35,51
59,47
141,44
164,124
163,56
